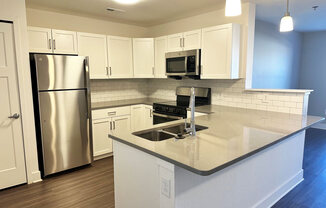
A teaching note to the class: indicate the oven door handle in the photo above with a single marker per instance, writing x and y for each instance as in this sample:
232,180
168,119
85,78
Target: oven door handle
167,116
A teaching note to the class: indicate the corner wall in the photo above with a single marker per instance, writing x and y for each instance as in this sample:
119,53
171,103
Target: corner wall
277,55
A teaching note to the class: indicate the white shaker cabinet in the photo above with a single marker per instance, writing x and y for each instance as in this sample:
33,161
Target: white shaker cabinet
184,41
40,40
148,116
143,57
220,52
120,57
101,143
44,40
161,44
175,42
192,40
64,42
94,46
121,125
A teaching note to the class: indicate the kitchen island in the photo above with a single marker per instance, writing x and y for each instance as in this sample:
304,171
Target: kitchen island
246,158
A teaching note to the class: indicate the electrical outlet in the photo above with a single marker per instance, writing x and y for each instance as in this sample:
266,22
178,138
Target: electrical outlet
165,187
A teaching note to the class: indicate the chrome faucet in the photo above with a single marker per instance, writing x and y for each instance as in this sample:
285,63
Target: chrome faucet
192,129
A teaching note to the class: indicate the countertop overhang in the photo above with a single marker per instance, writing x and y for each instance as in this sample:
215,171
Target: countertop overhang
233,134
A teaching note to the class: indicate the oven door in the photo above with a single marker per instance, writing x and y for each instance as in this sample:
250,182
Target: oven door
163,118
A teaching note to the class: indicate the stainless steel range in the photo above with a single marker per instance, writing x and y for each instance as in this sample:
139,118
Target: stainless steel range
176,110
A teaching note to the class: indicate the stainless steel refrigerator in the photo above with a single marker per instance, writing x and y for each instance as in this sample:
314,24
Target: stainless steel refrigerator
62,111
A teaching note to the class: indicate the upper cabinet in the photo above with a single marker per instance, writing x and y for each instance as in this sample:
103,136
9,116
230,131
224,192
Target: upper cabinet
64,42
161,44
184,41
44,40
94,46
40,40
192,40
220,52
120,57
175,42
143,57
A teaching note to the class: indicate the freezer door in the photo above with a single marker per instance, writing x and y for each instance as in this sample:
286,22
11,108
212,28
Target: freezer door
55,72
65,129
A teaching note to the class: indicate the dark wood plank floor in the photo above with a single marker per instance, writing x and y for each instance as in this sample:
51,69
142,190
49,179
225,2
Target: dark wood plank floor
88,187
93,186
311,193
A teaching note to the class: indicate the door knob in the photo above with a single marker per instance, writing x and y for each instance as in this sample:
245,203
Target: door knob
15,116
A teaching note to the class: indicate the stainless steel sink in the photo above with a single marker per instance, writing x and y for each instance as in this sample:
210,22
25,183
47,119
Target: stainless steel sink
154,135
180,129
173,131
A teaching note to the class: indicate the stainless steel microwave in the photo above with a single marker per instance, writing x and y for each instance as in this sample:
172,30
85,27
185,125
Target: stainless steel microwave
183,63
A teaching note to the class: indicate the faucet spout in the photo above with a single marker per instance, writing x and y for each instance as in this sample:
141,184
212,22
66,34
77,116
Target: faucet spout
192,129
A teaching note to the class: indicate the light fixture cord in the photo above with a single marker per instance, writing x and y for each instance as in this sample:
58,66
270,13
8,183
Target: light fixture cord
287,7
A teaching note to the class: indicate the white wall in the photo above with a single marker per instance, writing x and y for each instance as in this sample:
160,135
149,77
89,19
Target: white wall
14,10
56,20
313,70
276,57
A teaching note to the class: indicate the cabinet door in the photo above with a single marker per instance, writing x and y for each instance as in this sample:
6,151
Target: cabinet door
39,39
64,42
94,46
148,116
192,40
102,144
120,57
160,50
121,125
137,117
217,53
143,57
175,42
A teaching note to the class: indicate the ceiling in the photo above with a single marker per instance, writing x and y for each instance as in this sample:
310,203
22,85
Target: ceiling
152,12
144,13
304,17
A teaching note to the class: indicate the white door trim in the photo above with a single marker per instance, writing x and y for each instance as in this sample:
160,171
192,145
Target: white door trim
26,100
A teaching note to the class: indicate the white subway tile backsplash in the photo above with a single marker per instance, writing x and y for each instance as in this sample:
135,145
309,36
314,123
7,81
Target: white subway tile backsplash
224,92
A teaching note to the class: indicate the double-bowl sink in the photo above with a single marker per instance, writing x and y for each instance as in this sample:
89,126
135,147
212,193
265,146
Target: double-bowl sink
177,131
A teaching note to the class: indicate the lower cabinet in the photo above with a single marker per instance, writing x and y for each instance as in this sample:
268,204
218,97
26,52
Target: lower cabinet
108,121
141,117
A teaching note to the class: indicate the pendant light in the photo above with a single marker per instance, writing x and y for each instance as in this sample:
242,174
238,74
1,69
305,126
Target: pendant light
287,21
233,8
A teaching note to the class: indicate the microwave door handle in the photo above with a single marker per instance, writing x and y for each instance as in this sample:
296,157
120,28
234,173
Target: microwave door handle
186,64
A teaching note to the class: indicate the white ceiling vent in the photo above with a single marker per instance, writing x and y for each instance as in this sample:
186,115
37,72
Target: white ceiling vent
111,9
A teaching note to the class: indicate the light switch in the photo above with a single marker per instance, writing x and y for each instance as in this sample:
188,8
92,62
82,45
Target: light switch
165,187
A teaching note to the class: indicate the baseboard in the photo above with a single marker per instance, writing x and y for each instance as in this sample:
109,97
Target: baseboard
98,157
35,177
281,191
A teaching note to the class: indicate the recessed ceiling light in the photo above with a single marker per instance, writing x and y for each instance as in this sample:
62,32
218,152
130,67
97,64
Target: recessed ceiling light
127,1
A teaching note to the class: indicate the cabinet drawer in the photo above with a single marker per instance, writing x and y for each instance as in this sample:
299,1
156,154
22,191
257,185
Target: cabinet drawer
110,112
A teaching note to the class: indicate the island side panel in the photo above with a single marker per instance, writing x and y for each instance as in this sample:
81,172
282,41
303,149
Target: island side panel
257,181
141,180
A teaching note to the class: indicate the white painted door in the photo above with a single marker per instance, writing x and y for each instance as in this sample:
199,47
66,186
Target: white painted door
120,57
137,120
143,57
148,116
161,44
102,144
94,46
121,125
175,42
216,52
39,40
192,40
64,42
12,162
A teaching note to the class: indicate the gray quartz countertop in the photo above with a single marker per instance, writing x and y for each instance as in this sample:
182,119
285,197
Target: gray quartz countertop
121,103
233,134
